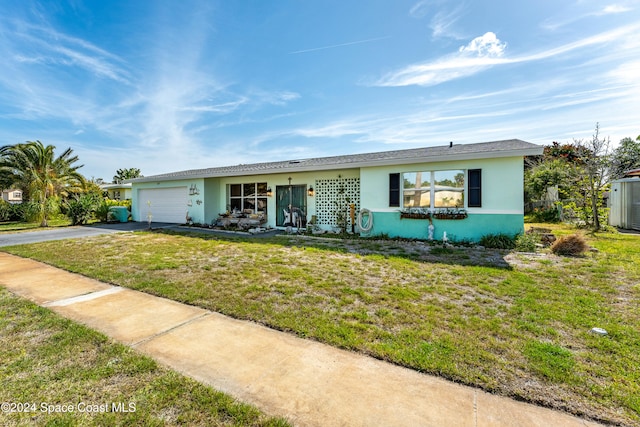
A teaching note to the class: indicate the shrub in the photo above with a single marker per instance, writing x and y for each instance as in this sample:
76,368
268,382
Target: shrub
526,242
498,241
5,210
32,211
80,209
103,212
545,214
571,245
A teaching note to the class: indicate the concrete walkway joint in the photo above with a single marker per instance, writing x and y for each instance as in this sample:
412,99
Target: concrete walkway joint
80,298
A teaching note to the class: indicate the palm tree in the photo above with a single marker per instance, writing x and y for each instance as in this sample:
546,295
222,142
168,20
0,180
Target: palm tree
42,176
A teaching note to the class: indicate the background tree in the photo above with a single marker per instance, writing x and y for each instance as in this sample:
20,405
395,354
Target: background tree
625,157
549,173
42,177
558,166
124,174
595,159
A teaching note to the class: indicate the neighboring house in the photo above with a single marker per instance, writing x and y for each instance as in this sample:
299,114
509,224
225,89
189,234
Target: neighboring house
117,191
467,190
12,196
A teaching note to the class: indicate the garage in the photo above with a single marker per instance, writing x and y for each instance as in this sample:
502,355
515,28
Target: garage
164,204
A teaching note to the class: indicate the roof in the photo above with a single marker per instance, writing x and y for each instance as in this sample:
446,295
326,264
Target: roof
631,173
124,185
506,148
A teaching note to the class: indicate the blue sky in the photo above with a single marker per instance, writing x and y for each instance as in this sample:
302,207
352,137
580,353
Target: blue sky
173,85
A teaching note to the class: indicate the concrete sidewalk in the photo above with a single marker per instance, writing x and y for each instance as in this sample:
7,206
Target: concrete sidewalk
309,383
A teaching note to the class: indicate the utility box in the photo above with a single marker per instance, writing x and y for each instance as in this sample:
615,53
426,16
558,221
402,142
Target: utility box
121,213
624,203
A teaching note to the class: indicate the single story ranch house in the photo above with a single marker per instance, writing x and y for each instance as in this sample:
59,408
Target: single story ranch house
461,191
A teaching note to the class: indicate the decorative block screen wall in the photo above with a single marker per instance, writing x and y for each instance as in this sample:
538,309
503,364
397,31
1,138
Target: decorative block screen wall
328,191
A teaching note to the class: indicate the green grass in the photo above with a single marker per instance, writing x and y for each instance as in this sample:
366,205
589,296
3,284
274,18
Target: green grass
461,313
47,361
13,226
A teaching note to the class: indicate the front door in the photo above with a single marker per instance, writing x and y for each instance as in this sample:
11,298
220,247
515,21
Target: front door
291,205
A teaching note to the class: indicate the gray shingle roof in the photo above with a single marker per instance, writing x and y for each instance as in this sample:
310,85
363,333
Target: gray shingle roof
506,148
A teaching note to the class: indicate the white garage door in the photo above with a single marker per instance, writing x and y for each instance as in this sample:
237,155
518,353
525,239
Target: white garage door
165,204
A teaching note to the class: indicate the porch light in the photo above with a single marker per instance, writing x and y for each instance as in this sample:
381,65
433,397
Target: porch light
269,192
311,192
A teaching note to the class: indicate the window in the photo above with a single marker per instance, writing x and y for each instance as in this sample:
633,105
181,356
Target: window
416,190
248,197
475,188
394,189
433,189
449,189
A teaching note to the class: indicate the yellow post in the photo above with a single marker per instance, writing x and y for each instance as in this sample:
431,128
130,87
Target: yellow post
352,208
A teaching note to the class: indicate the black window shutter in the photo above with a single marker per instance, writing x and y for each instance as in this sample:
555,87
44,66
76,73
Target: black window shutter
394,189
475,188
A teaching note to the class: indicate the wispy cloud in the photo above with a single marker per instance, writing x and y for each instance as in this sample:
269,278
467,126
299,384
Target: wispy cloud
443,23
420,9
482,53
223,108
47,46
333,46
615,8
277,97
160,105
610,9
443,17
562,102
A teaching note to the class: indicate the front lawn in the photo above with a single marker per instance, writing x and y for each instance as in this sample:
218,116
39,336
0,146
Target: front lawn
58,373
14,226
520,329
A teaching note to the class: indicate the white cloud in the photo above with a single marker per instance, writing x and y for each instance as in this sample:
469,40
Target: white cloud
480,54
487,45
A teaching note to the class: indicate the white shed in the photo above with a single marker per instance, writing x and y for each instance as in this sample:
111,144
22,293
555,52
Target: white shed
624,202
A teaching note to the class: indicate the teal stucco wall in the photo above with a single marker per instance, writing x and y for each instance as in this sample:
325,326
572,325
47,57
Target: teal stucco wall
471,228
502,208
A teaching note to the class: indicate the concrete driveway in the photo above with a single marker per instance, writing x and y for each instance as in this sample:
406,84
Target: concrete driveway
60,233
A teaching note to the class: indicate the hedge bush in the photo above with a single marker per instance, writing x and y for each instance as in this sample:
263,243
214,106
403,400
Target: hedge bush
498,241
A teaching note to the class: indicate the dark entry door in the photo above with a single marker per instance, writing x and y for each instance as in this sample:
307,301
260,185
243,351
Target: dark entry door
291,205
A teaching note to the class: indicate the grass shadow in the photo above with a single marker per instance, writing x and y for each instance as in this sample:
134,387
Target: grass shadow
413,250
